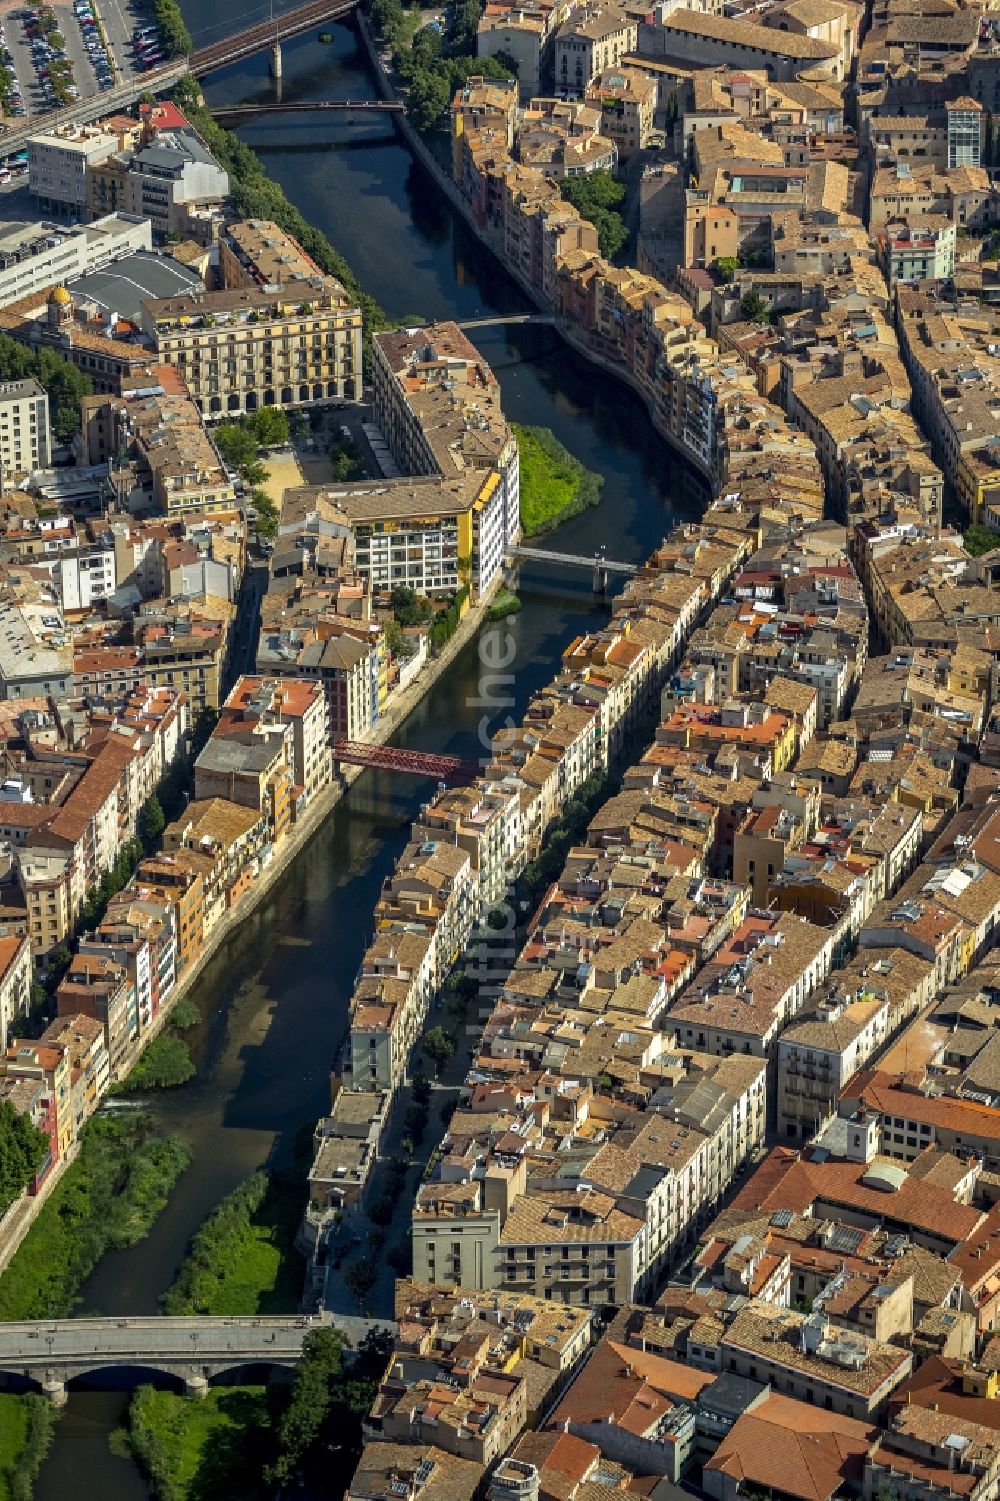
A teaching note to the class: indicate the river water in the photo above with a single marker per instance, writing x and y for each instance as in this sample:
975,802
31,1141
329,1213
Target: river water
274,998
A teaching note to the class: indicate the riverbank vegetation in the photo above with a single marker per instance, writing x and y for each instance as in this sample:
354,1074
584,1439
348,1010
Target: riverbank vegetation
27,1424
412,609
434,60
106,1200
255,195
504,603
22,1152
242,1260
210,1450
165,1064
554,485
185,1015
240,1443
597,197
173,32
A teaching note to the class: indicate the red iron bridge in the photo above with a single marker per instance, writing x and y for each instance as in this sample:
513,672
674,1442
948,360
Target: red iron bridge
451,769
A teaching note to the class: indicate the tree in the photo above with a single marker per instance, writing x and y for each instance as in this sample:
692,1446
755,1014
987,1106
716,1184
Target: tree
508,61
438,1046
22,1152
979,539
464,23
359,1278
152,822
316,1377
60,960
207,719
596,197
381,1210
753,307
267,513
726,266
236,443
409,607
400,645
430,95
415,1121
270,427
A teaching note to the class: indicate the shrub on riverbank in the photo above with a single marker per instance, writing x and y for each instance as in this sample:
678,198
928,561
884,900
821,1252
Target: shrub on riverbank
504,603
107,1200
185,1015
22,1152
173,32
214,1447
27,1423
242,1259
165,1064
554,485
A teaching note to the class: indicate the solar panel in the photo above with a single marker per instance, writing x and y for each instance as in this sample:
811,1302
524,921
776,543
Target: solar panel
782,1218
845,1240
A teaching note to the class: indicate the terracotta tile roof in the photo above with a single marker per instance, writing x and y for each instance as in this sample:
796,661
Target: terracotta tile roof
795,1450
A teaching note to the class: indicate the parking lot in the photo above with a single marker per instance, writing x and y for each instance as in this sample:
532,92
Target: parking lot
97,63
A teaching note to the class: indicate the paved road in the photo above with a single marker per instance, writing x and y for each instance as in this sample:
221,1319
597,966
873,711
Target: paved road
71,1342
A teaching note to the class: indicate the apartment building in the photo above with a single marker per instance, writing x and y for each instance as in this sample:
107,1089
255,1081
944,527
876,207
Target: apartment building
705,40
99,987
813,1361
591,39
627,99
15,984
438,404
58,160
25,442
82,1039
49,1067
249,761
917,250
298,344
185,651
753,986
258,254
258,702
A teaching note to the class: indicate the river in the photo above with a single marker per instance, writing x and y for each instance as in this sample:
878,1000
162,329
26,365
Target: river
274,998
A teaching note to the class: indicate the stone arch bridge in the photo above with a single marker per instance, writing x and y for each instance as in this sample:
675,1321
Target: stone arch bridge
50,1354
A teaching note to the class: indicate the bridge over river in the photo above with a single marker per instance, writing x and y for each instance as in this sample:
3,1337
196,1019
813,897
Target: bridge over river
51,1353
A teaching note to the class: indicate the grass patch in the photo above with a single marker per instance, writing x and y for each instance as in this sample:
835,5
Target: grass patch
210,1450
242,1260
27,1424
554,485
165,1064
107,1200
504,603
